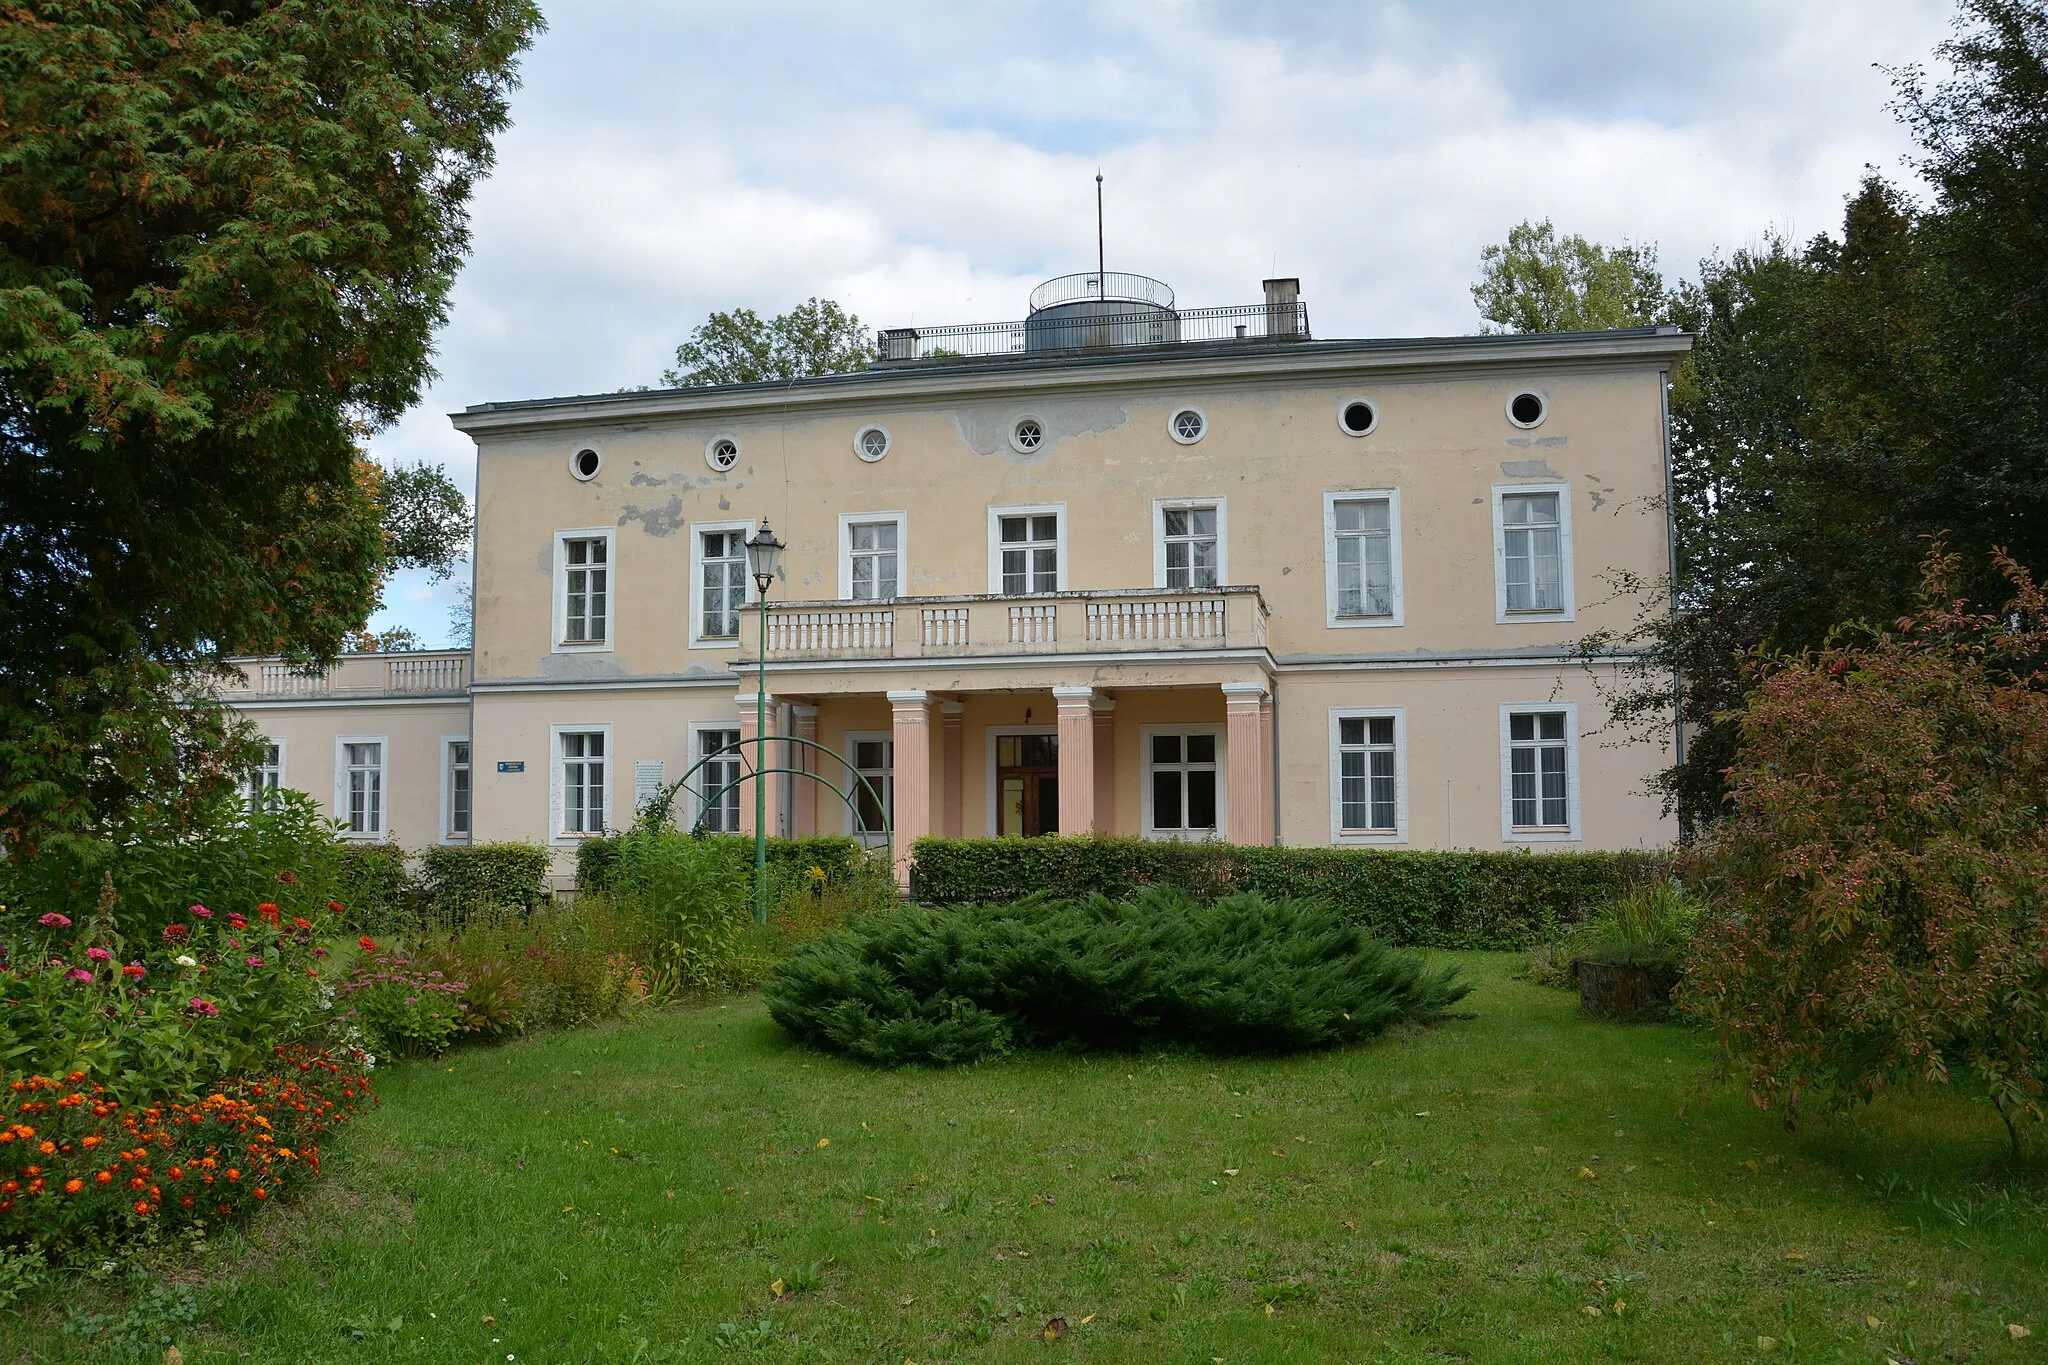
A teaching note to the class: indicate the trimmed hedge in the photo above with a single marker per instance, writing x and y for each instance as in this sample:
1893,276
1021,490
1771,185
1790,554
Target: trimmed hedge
377,894
838,854
458,878
1406,898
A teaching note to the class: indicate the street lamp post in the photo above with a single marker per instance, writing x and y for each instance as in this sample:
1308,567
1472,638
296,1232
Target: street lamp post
764,559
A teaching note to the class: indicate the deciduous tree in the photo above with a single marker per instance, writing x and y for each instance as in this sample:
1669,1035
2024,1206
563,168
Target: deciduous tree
1537,281
815,337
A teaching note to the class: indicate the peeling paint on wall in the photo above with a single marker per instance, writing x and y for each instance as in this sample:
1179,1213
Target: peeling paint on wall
581,666
1529,469
656,521
986,429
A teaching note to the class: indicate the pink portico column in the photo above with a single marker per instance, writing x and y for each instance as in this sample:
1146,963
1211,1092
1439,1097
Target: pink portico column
1105,765
1244,740
912,716
1077,758
803,723
763,756
953,767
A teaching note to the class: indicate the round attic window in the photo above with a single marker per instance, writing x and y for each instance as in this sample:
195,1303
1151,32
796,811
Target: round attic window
1358,417
1527,408
722,453
1028,435
871,443
1188,426
585,463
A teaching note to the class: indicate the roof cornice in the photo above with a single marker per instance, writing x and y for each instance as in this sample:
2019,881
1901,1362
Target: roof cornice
1424,357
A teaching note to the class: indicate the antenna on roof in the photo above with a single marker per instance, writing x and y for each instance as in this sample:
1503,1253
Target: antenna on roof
1101,282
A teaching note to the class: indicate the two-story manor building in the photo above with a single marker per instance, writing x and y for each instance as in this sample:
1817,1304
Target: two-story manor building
1121,567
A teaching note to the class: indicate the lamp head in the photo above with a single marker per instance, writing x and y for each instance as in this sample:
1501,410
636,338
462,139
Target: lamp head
764,557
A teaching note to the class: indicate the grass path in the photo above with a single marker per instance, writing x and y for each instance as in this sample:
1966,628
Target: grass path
1468,1193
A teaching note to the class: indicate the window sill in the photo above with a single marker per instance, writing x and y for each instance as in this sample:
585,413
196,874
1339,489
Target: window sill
1185,836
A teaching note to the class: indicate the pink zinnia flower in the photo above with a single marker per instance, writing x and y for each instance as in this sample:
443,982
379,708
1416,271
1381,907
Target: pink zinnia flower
255,961
53,920
99,954
204,1007
79,974
202,912
236,920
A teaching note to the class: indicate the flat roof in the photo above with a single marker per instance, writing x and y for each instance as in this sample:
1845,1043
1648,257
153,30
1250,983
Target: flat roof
937,377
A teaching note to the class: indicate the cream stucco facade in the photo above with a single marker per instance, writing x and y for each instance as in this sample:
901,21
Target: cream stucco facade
1203,624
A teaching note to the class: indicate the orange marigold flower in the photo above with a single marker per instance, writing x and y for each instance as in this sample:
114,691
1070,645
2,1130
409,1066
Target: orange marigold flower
91,1140
367,944
177,1173
142,1207
73,1185
186,1201
234,1174
262,1193
104,1178
137,1183
10,1187
48,1148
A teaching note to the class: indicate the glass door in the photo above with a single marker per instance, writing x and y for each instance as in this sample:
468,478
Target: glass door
1027,785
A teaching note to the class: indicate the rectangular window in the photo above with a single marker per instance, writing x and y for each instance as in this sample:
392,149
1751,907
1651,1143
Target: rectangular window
583,781
718,799
586,590
874,800
722,583
1369,790
458,789
871,551
1183,781
1539,770
265,778
1365,556
1191,547
1533,532
362,810
1030,553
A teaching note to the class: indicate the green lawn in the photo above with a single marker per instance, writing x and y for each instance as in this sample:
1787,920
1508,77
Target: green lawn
1467,1193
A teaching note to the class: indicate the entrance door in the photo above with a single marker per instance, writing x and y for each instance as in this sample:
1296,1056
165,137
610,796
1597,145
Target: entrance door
1027,785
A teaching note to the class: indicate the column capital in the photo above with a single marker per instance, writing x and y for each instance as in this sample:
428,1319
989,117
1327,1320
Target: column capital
747,700
1102,706
1073,696
908,698
952,710
803,710
1244,691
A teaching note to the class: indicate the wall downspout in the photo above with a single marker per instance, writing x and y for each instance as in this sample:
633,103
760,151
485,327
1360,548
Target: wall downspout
1671,563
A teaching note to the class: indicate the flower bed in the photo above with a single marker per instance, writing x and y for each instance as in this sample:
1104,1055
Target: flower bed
80,1170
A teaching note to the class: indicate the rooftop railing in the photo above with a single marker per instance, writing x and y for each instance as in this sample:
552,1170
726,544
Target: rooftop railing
439,671
1098,331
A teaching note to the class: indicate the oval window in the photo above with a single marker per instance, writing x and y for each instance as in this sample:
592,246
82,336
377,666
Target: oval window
1527,408
1358,417
585,463
722,454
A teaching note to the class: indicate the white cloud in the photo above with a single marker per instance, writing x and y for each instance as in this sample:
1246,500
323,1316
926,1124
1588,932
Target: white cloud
928,164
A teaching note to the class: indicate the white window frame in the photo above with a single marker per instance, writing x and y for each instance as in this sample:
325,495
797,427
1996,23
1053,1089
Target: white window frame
557,835
697,530
1501,614
696,794
887,738
560,643
995,543
448,834
1145,735
249,790
1569,834
1339,835
1392,497
849,520
341,743
1161,506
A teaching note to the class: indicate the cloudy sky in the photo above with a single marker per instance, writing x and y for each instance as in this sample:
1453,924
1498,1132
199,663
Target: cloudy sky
929,163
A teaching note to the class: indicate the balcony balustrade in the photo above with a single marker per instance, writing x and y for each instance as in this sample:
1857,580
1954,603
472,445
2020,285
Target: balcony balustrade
1133,621
423,673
